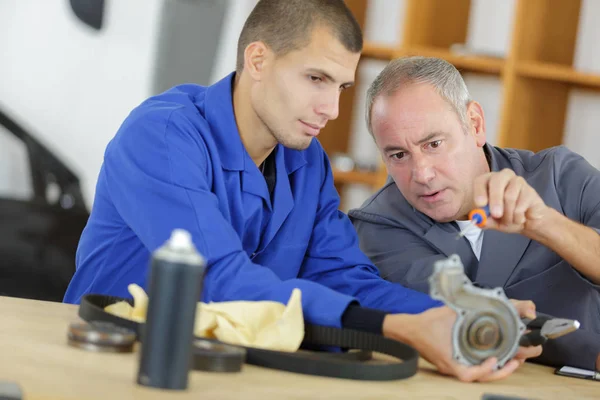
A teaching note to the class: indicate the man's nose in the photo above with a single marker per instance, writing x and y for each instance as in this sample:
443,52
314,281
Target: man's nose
423,171
330,108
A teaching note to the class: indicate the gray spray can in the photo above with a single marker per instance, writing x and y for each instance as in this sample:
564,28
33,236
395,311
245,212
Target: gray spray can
175,285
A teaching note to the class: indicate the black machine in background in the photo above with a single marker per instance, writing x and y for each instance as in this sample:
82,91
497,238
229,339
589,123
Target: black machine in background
39,236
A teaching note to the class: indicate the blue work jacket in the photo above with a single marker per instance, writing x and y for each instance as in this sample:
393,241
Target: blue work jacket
178,161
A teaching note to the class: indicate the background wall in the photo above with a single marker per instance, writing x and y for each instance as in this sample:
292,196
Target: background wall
72,86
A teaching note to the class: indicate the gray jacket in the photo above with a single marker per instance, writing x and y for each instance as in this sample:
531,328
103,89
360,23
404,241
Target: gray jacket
404,243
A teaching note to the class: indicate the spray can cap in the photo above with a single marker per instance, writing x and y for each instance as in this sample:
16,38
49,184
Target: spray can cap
180,248
180,240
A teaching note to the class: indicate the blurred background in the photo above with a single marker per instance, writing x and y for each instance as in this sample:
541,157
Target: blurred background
71,71
71,85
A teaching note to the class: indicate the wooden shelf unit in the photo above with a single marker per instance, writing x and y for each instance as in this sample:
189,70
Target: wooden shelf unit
558,73
536,75
359,177
467,63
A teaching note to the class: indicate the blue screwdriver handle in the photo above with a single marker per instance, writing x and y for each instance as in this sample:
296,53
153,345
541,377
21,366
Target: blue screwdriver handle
479,215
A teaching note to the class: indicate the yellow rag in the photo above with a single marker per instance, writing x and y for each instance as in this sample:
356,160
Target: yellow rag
264,324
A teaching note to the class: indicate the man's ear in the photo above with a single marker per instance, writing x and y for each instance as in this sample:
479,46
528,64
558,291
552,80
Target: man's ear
255,57
476,122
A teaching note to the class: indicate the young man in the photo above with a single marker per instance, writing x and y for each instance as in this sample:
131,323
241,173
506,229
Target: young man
541,241
236,165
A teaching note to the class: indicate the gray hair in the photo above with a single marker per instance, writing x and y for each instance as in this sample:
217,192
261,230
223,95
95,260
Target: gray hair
440,74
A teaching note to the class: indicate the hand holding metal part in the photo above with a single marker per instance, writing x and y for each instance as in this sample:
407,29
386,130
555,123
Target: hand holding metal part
487,324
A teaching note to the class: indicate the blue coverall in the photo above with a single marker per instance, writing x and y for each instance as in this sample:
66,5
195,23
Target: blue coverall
178,161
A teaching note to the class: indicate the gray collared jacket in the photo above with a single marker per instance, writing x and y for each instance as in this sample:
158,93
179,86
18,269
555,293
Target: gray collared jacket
404,243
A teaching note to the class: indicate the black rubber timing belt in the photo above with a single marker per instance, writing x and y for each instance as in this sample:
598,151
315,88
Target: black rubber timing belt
212,355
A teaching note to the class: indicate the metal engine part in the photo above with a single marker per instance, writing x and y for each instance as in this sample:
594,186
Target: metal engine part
487,323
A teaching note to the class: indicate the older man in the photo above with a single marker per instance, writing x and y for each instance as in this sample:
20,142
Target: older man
542,239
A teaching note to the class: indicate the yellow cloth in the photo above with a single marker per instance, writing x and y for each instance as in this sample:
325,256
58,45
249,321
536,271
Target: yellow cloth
265,324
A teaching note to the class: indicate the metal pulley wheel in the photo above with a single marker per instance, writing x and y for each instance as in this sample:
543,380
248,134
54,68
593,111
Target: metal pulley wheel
487,324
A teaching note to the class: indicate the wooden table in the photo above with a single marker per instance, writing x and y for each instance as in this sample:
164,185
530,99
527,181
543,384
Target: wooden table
34,353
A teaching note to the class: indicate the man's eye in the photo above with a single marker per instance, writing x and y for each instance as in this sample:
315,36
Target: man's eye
315,78
435,144
398,155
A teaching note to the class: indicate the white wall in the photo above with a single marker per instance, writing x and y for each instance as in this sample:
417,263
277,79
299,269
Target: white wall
70,85
236,15
490,26
383,23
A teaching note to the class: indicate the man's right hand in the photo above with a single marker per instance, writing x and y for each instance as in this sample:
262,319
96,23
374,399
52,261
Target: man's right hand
430,333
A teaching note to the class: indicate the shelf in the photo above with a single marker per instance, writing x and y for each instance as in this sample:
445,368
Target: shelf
360,177
559,73
466,62
378,52
470,63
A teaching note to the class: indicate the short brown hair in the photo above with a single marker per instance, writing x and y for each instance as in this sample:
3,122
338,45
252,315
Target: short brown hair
287,25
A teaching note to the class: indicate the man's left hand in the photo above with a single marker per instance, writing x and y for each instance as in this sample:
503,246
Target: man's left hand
515,207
